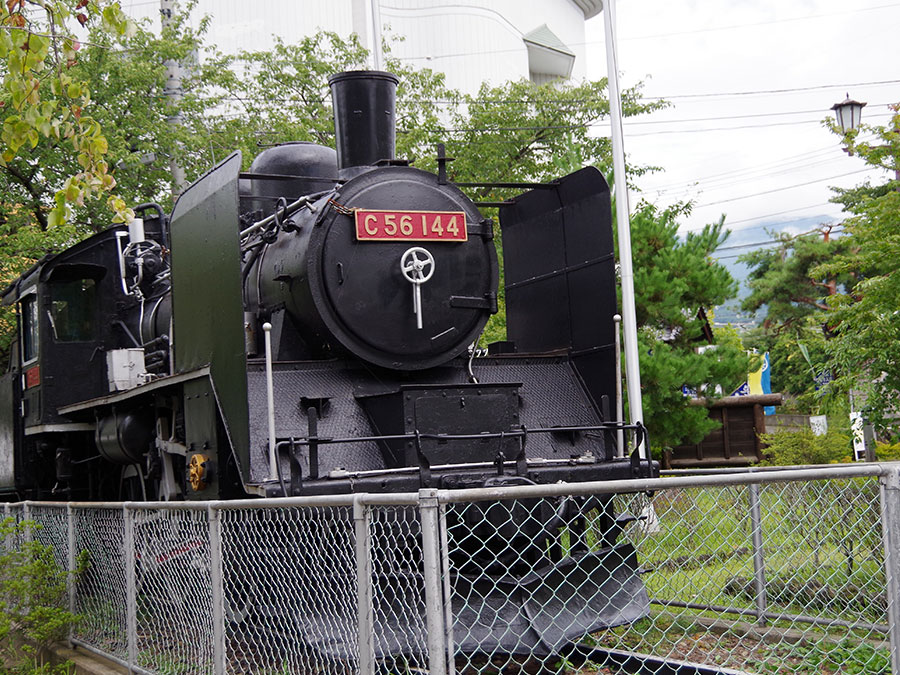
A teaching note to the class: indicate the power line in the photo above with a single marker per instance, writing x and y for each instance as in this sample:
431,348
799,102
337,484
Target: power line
583,125
788,90
772,168
573,101
742,117
731,128
743,179
772,215
753,168
728,224
631,121
768,242
786,187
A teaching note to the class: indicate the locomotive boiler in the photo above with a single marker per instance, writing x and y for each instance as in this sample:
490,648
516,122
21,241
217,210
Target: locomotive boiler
310,327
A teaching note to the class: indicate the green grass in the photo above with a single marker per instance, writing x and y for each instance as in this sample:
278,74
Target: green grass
682,638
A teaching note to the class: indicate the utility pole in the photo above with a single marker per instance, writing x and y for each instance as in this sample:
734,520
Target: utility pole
173,93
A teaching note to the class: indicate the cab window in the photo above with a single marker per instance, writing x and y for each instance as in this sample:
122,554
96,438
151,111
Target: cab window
72,310
29,314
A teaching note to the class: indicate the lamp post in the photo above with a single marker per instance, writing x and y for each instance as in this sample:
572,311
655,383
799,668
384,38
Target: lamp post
848,114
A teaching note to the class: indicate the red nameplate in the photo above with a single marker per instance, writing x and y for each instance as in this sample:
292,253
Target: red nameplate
32,377
410,225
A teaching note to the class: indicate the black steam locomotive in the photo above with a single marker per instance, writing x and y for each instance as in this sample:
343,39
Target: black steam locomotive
309,327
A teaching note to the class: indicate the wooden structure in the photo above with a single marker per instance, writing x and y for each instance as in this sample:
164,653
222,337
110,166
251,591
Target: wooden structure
735,443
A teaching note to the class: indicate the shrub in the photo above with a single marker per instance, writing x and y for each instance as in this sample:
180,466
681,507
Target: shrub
887,452
786,448
33,607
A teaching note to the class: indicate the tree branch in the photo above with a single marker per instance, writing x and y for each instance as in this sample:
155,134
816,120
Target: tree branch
36,194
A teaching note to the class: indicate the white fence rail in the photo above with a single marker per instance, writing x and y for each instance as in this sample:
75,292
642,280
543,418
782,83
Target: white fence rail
771,571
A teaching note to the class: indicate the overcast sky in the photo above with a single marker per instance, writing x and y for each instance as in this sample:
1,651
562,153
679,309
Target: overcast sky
749,82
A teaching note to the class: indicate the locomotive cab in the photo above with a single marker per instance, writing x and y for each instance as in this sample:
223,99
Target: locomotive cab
73,317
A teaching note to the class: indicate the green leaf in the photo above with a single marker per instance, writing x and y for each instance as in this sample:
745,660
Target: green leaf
72,192
56,217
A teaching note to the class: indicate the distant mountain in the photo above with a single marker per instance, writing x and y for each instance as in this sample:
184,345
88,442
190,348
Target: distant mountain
746,240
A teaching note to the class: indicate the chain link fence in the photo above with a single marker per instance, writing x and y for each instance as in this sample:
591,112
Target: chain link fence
777,571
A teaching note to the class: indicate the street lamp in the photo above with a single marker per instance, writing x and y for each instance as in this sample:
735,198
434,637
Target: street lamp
848,114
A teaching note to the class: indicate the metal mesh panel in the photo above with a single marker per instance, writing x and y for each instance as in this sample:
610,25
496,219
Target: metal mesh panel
398,587
174,599
289,590
100,598
51,530
528,577
16,534
807,593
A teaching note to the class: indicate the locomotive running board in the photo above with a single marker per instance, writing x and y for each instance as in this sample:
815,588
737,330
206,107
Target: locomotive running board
537,614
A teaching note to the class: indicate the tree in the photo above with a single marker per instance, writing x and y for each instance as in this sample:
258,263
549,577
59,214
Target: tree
125,75
523,132
783,280
866,341
674,279
786,280
44,102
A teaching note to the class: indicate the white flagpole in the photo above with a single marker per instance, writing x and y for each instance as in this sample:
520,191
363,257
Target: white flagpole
629,318
377,55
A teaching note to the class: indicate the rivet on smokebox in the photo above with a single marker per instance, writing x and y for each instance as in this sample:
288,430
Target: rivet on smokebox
198,471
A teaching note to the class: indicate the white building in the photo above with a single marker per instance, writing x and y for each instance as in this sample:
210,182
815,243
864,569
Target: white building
471,41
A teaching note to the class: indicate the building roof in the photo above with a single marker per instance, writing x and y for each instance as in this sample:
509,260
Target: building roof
547,54
542,36
589,7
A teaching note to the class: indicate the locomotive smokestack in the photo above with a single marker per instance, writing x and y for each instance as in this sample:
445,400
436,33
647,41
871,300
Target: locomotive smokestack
363,102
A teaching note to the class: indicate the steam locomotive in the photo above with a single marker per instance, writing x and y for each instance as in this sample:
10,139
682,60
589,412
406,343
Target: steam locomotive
308,327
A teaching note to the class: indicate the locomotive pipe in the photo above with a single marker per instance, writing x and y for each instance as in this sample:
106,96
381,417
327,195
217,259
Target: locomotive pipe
270,400
161,216
291,208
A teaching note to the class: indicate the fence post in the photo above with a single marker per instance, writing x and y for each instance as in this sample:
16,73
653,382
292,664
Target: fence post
365,611
72,580
130,586
8,540
432,578
759,563
217,581
448,600
890,527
